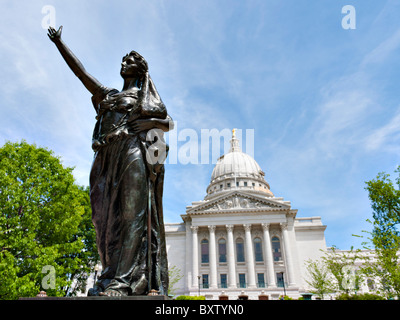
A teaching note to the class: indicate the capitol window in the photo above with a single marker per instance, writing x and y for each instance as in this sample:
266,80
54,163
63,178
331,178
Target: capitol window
258,250
222,250
204,251
276,249
224,281
205,281
260,280
242,280
240,250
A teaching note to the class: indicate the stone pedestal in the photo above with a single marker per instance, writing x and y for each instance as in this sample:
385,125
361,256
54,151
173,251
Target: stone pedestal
223,296
243,297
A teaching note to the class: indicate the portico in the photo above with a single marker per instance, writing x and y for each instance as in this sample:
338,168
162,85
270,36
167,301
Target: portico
237,255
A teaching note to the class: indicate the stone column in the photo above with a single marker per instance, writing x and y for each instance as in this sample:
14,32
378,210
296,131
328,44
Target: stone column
188,253
250,257
231,258
195,257
269,260
213,259
288,254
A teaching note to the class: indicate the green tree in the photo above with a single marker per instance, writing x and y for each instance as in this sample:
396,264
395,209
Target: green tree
174,274
384,195
342,265
44,223
319,278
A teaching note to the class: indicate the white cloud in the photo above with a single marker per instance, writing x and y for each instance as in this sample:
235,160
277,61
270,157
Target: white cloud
381,53
387,137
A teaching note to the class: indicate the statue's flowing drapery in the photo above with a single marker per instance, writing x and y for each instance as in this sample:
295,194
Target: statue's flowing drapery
126,192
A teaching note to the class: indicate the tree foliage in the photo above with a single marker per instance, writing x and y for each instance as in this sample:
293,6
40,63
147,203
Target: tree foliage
190,298
45,221
384,195
342,266
175,275
319,278
335,271
364,296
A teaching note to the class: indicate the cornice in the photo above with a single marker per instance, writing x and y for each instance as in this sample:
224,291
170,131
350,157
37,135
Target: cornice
240,202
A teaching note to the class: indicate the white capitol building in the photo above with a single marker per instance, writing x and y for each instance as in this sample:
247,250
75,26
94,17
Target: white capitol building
242,239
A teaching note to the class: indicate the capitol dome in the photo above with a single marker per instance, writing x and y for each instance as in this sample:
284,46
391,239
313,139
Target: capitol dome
237,170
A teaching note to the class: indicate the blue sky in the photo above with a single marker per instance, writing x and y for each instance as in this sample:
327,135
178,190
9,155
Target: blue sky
323,101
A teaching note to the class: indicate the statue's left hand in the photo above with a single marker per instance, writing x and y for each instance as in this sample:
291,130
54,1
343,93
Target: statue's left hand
144,124
53,34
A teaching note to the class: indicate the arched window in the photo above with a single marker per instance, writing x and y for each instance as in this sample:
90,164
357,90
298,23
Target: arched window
222,250
276,249
258,253
204,251
240,250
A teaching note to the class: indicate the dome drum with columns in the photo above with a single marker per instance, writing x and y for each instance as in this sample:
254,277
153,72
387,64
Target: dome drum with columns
237,170
241,239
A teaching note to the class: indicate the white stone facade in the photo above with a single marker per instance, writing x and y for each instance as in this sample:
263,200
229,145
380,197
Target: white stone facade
274,241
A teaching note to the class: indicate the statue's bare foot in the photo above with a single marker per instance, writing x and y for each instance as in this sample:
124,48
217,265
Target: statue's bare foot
112,293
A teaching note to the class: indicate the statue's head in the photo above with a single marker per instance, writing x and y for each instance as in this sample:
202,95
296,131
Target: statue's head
133,65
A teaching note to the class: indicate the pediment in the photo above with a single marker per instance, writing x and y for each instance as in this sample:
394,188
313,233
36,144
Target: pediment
237,201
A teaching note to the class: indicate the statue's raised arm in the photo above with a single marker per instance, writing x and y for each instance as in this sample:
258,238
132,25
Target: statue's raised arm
91,83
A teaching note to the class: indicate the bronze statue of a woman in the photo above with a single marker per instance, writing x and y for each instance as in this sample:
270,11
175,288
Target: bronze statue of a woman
126,180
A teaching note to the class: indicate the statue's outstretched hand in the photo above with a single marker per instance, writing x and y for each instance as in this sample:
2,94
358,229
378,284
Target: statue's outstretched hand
53,34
